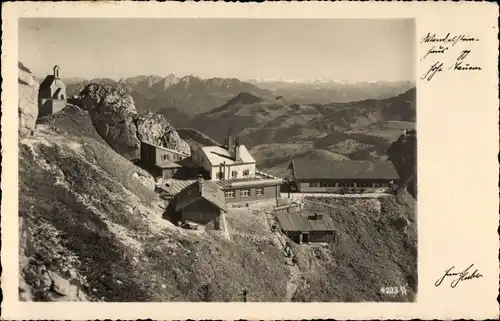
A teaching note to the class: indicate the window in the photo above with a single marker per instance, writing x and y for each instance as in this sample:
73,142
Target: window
246,172
229,194
244,193
259,191
220,175
165,157
234,174
314,184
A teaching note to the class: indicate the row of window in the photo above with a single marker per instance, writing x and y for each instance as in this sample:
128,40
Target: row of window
172,157
234,174
244,193
333,184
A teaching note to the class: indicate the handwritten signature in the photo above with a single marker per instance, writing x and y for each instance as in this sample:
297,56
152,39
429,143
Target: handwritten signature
459,64
459,276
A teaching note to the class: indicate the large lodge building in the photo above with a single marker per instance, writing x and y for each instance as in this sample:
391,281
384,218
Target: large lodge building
230,167
233,169
319,176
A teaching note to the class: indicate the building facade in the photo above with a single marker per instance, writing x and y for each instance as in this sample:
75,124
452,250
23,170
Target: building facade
250,190
231,161
51,94
161,162
307,176
233,169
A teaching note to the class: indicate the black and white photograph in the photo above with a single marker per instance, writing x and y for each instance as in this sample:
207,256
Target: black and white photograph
217,160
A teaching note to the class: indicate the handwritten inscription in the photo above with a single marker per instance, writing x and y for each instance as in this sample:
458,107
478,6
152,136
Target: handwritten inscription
457,277
448,53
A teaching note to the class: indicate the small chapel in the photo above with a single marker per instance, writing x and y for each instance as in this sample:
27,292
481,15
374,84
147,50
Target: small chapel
52,94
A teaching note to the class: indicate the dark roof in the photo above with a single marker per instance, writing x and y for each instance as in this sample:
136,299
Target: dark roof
209,191
299,221
47,82
345,169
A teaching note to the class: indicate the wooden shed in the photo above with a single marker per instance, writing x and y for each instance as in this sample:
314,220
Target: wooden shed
202,202
306,227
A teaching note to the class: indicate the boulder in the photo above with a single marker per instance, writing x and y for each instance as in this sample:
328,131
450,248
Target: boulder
65,289
113,113
116,119
154,129
28,100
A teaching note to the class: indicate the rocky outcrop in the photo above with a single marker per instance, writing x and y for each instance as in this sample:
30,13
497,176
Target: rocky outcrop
403,154
28,100
113,112
37,280
116,119
153,128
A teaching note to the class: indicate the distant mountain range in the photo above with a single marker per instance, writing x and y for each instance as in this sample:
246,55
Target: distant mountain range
191,95
325,91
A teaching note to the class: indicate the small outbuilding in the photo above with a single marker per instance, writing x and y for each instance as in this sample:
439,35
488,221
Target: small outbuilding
202,202
306,227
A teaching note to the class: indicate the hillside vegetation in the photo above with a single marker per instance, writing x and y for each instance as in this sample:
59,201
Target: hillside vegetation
376,246
108,241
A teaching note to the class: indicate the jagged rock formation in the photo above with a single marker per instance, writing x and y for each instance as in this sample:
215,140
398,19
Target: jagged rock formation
154,129
116,119
28,100
403,154
113,113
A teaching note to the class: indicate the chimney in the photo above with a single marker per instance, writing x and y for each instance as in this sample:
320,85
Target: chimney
230,143
237,156
200,183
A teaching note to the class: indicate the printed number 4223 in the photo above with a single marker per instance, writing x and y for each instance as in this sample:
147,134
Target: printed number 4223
393,290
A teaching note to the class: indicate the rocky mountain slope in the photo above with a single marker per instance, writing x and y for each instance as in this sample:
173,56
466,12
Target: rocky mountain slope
92,230
403,154
115,117
28,100
109,242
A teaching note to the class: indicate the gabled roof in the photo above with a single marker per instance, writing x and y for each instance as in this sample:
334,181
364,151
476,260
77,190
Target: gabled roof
295,222
209,191
49,80
346,169
217,155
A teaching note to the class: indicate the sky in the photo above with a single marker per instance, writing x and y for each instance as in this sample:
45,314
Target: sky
291,49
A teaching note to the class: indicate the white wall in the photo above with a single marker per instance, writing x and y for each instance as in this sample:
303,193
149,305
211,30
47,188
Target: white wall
238,168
